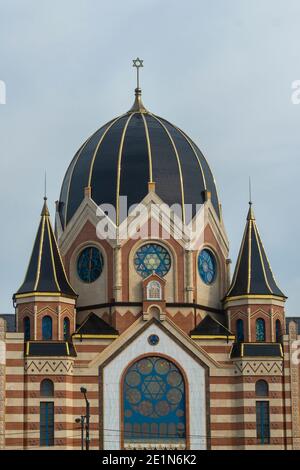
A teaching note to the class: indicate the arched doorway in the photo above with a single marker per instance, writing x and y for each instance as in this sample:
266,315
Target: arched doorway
154,403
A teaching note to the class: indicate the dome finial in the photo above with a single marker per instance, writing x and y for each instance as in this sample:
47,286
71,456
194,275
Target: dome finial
138,104
137,63
45,211
250,215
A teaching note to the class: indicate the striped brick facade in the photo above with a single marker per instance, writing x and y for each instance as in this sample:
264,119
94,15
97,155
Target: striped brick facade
230,388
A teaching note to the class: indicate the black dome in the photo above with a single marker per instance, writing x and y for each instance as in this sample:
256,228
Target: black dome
125,154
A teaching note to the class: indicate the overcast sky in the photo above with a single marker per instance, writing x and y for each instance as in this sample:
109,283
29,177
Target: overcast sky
220,70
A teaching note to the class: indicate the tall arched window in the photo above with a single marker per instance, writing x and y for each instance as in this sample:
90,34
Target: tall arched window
278,331
240,330
26,326
260,329
47,388
66,328
154,402
47,328
261,388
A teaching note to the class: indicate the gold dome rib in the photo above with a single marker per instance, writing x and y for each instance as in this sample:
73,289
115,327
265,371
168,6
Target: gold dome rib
120,166
40,255
195,153
52,256
71,175
178,162
98,145
148,147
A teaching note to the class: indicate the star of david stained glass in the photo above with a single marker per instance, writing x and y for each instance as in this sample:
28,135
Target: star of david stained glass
152,258
207,266
90,264
154,402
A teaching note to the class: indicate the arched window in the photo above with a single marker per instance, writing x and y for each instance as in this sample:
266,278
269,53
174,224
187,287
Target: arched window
26,326
66,328
260,329
47,328
278,331
154,402
47,388
240,331
154,291
261,388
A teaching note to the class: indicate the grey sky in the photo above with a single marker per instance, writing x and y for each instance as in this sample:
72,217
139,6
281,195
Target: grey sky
219,69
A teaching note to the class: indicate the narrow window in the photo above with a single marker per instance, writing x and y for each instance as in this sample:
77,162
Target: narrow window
47,388
47,328
261,388
26,325
263,422
240,331
154,291
66,329
46,423
278,331
260,330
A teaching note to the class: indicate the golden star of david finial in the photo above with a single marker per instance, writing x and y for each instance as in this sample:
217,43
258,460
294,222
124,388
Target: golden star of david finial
137,63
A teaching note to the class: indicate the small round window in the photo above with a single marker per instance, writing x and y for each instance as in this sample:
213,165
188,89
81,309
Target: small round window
152,258
90,264
207,266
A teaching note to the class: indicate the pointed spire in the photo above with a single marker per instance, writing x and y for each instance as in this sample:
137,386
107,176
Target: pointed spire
45,274
250,215
45,211
253,274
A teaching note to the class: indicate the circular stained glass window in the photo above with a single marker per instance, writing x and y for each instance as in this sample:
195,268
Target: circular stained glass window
90,264
207,266
153,340
152,258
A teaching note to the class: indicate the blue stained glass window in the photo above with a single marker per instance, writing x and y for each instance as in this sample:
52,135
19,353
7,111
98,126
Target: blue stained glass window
26,328
278,331
152,258
46,423
154,402
207,266
66,328
260,329
47,328
263,422
90,264
240,330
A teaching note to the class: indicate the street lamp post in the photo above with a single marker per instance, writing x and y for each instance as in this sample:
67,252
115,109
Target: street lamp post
87,418
81,421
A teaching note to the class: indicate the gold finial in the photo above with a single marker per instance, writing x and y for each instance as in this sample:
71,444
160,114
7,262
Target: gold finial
138,63
138,104
250,215
45,211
